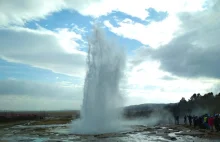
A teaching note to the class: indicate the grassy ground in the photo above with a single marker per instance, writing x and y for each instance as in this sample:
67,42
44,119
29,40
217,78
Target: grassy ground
55,117
10,124
48,121
53,121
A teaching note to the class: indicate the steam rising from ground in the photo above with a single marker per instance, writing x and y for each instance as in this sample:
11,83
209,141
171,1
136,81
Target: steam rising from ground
100,111
157,117
102,100
197,111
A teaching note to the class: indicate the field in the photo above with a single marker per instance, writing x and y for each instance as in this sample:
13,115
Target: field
55,126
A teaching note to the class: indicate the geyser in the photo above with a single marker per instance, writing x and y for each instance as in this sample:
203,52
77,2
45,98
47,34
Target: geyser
102,100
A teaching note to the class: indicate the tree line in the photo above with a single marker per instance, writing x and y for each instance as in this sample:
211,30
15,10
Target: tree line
198,104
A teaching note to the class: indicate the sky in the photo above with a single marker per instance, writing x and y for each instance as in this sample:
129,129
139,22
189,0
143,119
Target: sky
172,49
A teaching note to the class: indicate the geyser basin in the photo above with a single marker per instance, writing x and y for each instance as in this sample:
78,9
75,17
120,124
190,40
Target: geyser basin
100,111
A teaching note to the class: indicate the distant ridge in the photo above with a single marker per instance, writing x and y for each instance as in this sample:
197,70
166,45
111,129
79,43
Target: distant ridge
141,107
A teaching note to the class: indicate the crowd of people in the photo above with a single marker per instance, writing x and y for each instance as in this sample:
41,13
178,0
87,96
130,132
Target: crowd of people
204,121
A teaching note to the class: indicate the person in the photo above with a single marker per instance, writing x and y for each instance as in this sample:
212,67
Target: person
205,121
195,121
216,122
211,122
190,120
185,117
177,120
200,122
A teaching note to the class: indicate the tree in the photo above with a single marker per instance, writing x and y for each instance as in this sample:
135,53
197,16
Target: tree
208,95
183,100
198,96
193,97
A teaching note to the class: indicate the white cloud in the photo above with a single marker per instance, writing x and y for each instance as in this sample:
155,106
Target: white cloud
105,7
31,95
22,95
146,83
193,53
189,61
18,12
56,51
32,103
159,33
153,34
138,8
147,96
68,39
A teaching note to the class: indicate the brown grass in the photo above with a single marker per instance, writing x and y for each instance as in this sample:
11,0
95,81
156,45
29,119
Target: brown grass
10,124
52,121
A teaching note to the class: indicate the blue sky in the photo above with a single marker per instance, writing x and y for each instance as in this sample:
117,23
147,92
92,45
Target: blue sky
68,19
45,43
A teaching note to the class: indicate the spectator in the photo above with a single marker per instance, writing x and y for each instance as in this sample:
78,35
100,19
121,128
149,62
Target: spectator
216,122
185,119
190,120
211,123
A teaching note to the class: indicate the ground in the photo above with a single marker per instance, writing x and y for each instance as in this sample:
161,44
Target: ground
57,128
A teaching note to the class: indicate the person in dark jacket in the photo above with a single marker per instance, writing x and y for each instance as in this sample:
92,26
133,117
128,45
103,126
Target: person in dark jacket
177,120
216,123
195,121
190,120
185,119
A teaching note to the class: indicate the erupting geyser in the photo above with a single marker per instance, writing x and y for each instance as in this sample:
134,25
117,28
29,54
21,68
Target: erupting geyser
102,100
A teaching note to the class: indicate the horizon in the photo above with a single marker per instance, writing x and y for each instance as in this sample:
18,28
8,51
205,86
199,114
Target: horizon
73,109
172,50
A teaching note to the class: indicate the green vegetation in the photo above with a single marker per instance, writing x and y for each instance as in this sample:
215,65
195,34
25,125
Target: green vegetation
197,105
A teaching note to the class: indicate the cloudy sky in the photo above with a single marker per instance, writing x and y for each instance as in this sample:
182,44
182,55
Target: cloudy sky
172,49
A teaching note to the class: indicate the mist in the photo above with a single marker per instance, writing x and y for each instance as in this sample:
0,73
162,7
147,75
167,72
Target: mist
157,117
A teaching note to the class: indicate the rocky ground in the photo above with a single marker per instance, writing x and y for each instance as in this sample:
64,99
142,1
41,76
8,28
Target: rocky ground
58,130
